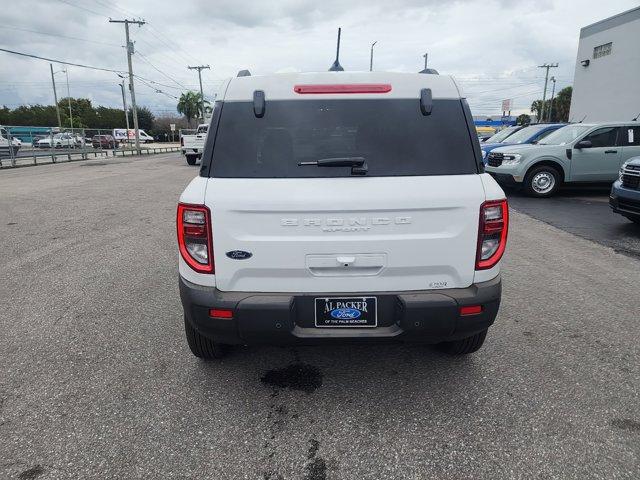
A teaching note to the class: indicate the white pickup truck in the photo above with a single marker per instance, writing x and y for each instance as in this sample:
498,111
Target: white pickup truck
193,145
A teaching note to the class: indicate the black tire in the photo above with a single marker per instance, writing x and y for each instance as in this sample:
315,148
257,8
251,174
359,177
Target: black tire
201,346
537,179
464,346
191,159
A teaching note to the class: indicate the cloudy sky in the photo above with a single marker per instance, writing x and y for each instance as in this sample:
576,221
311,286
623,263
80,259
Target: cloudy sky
492,47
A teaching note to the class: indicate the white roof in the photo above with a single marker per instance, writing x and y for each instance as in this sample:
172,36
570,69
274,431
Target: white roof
281,86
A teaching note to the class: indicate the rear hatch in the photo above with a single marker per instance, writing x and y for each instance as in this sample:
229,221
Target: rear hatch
405,220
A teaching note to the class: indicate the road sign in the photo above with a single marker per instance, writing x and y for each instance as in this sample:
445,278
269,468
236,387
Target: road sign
506,105
172,126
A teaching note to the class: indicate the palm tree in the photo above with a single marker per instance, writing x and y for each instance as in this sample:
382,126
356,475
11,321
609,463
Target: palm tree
190,105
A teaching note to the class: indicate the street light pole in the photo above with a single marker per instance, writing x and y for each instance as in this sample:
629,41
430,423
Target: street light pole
66,72
55,96
371,59
553,92
199,68
124,107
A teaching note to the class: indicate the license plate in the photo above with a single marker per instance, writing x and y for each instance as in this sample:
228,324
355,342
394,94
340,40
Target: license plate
346,312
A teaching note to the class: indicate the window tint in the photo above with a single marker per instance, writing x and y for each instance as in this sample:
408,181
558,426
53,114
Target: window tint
603,137
391,134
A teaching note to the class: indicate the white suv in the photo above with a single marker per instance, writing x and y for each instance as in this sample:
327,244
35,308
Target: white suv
340,206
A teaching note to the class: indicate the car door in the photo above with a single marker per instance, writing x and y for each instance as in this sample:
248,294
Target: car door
630,142
601,161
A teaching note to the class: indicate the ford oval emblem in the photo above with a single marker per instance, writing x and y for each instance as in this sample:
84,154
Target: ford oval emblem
239,255
345,313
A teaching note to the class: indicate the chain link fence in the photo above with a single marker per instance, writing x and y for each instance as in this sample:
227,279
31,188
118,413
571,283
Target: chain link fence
24,145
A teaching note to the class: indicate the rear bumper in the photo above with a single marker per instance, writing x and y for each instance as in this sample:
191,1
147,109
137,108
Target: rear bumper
625,201
428,316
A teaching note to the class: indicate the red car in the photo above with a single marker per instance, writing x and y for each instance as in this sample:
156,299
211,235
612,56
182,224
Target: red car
104,141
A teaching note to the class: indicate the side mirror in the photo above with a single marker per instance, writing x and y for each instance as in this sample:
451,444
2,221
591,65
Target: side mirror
583,144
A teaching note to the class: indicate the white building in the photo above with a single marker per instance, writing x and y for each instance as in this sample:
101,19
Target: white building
606,84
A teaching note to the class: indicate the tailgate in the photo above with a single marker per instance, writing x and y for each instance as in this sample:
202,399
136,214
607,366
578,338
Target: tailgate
378,234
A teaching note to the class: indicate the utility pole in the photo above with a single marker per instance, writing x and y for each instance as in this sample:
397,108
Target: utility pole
371,59
553,92
124,107
66,72
199,68
546,80
130,52
55,96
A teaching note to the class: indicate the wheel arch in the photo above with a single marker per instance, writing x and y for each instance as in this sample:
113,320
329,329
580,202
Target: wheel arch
550,162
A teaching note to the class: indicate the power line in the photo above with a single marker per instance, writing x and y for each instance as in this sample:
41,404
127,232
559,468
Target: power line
60,36
160,71
82,8
61,61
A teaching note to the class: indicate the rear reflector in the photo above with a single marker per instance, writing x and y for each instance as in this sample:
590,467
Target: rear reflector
220,313
343,88
471,310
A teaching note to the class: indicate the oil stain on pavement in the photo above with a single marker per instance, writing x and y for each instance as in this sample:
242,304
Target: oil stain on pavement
299,376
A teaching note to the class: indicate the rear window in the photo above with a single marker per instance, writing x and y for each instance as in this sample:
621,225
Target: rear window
391,134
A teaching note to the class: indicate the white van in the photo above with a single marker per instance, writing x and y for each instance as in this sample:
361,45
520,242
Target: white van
340,206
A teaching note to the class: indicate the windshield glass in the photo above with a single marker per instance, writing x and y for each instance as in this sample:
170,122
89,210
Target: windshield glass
501,135
391,134
525,134
565,135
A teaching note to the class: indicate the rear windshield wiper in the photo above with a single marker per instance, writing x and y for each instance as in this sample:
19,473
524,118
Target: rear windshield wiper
335,162
357,164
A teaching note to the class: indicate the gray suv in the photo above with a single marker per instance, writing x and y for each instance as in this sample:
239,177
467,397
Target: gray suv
575,153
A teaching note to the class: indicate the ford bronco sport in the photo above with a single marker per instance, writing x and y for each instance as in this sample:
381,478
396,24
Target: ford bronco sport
340,206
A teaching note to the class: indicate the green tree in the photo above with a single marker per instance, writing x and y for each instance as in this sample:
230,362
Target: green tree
523,119
145,118
190,105
559,110
561,105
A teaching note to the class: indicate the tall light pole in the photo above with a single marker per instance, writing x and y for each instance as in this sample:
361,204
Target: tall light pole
55,96
130,52
553,92
199,68
124,107
546,80
371,59
66,72
68,95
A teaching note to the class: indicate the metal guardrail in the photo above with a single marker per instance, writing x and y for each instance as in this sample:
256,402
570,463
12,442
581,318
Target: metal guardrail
38,145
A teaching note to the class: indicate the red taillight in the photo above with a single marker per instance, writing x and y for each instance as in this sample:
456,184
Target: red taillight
471,310
220,313
343,88
194,237
492,233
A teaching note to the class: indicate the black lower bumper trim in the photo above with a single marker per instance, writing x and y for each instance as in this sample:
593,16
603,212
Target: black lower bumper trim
429,316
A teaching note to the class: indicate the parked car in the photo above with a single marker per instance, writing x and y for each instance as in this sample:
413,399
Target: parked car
501,135
531,134
485,133
574,153
104,141
625,192
313,242
59,140
193,145
8,148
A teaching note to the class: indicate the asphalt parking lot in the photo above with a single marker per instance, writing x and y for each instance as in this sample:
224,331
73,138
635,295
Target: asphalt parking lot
96,379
